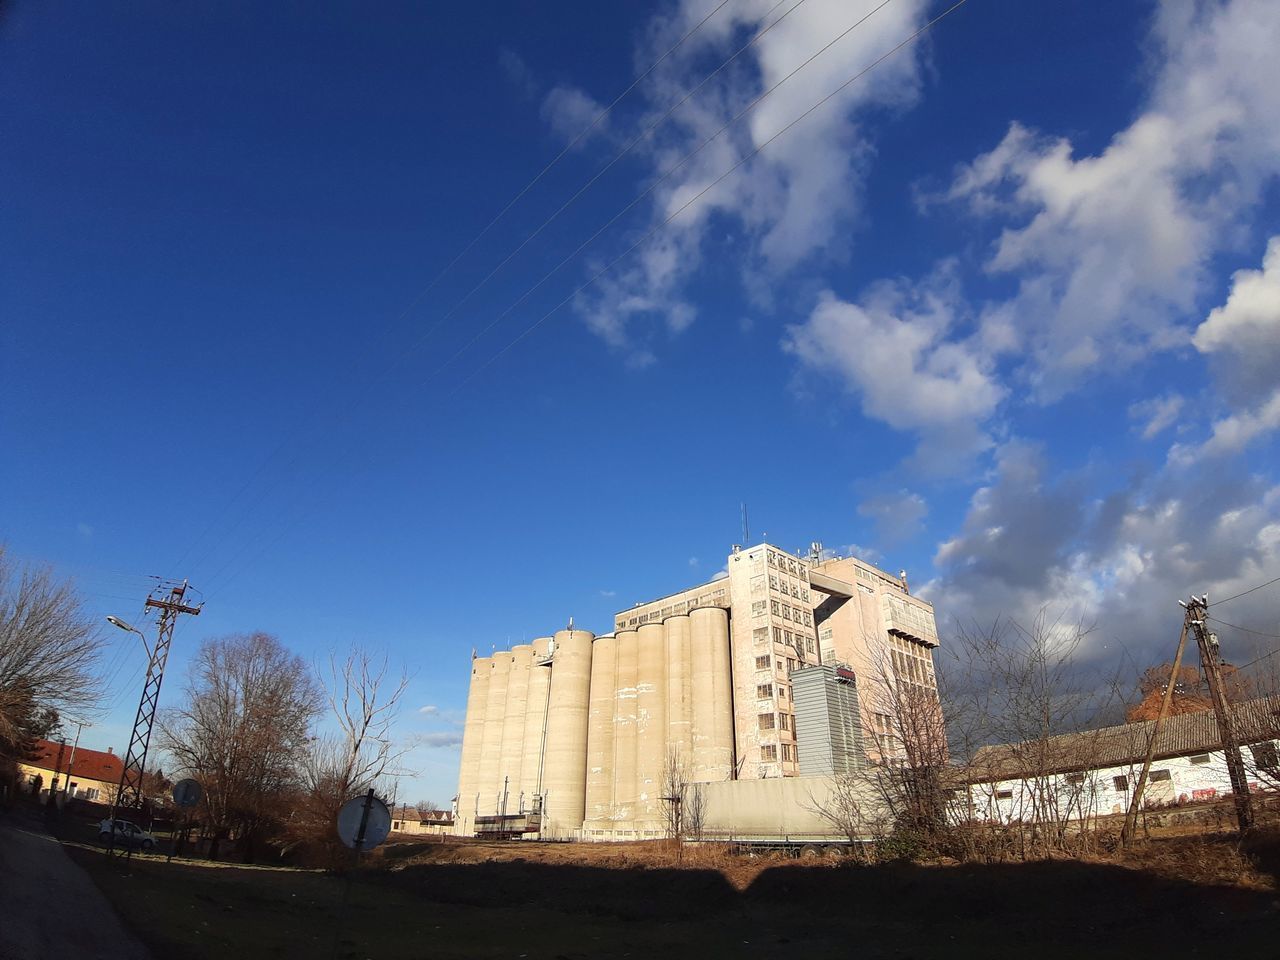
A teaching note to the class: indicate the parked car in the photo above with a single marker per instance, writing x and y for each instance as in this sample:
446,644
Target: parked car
127,834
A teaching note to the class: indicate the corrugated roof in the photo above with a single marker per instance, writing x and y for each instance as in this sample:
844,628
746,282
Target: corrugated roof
1256,721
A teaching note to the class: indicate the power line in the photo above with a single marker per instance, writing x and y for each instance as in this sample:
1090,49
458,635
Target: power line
537,323
1246,592
215,520
1256,633
671,170
617,216
693,200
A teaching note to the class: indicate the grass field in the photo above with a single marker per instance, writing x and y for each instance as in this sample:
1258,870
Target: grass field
565,901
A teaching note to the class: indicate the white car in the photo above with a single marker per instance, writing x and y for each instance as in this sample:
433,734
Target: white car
127,834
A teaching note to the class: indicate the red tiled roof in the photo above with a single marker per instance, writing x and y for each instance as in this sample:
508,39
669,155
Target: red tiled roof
89,764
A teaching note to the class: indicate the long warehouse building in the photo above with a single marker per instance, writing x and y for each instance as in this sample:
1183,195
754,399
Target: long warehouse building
578,735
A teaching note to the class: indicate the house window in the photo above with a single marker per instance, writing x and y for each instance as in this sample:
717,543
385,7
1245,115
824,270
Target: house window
791,664
760,634
786,612
777,634
1075,779
1004,794
1121,784
1264,755
762,663
768,753
1160,776
773,606
764,691
788,751
784,721
1200,758
758,608
782,692
773,582
765,721
808,644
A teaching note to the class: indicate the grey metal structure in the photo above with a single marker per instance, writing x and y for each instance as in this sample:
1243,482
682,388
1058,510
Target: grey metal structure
828,720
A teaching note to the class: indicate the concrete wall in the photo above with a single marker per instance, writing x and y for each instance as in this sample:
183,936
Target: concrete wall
565,766
778,808
472,735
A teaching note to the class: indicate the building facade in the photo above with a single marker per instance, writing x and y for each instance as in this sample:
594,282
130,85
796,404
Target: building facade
583,735
81,774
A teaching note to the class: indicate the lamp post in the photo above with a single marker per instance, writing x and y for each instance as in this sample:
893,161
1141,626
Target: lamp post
128,628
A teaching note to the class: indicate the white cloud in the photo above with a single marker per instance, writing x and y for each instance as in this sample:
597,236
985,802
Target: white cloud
1156,414
430,710
693,561
572,112
1109,251
789,202
443,740
608,594
85,531
1232,433
1242,339
898,516
1243,335
1031,541
892,349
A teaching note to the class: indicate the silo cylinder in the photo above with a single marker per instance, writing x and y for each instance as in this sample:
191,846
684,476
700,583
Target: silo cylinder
604,662
625,787
472,735
535,716
712,695
651,725
679,694
565,769
488,784
510,765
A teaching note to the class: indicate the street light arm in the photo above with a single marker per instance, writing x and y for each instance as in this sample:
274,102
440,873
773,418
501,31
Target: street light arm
129,628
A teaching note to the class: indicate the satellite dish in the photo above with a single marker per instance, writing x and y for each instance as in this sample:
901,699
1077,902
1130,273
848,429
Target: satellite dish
187,793
377,822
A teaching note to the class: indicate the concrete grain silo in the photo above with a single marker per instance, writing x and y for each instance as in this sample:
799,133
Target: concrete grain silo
472,736
712,695
535,717
488,781
604,662
651,725
565,766
625,787
679,692
511,760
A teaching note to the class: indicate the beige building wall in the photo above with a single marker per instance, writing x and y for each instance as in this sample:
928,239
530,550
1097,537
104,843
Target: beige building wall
535,724
565,766
511,764
600,733
487,779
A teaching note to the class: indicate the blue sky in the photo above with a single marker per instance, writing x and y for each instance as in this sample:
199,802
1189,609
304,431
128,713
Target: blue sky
1001,313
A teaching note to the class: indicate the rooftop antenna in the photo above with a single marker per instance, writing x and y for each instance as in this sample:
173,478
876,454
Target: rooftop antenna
746,527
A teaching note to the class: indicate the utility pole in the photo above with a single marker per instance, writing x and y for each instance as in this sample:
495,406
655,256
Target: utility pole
1131,818
80,725
1211,663
57,769
129,793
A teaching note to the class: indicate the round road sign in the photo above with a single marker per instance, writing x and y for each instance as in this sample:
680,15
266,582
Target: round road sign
376,829
187,793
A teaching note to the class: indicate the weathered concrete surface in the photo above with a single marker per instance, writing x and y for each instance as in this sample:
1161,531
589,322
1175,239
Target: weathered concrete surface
48,905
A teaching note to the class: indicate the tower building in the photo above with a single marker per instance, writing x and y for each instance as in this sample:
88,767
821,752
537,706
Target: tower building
580,735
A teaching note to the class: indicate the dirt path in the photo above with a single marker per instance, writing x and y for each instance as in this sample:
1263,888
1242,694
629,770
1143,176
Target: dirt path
49,907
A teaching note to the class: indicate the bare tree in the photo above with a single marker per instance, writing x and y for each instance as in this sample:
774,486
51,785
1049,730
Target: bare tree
675,790
49,650
852,803
364,700
1015,691
243,732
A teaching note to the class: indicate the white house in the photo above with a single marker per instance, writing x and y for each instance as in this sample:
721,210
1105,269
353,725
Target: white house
1093,773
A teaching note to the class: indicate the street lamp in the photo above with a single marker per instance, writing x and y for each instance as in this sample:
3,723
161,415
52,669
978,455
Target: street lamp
117,622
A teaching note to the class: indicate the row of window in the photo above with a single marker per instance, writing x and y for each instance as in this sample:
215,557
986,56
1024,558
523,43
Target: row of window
787,612
771,721
787,564
788,588
769,752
